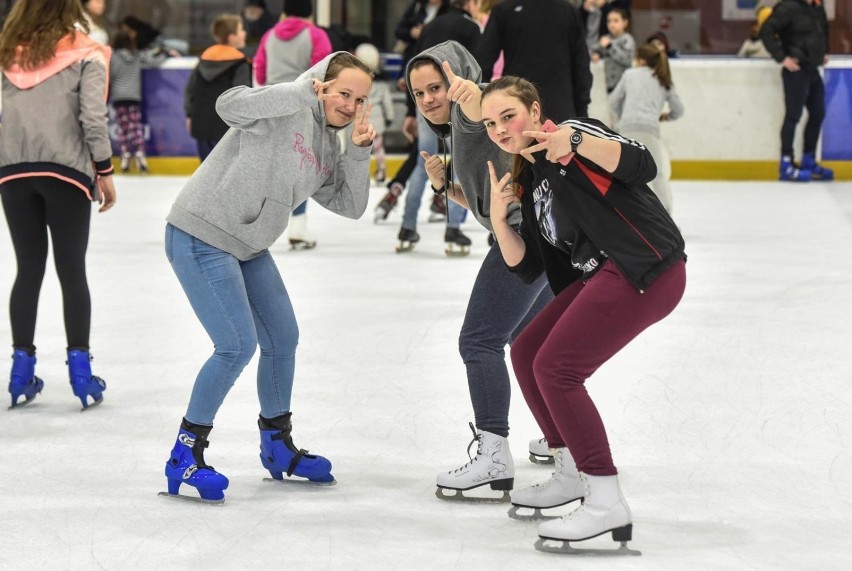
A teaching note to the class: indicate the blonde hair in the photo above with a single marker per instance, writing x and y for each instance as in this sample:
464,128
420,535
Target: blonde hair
36,26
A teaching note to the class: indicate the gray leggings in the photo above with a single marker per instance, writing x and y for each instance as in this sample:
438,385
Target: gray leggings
500,306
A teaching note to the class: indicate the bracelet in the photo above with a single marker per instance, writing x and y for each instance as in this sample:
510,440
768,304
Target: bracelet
438,191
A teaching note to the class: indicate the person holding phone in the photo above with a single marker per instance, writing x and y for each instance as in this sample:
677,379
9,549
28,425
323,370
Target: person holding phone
616,262
54,161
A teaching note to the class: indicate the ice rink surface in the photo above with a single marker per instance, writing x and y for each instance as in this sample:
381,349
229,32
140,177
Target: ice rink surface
730,421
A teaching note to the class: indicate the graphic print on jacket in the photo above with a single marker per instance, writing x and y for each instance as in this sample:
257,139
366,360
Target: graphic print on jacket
561,232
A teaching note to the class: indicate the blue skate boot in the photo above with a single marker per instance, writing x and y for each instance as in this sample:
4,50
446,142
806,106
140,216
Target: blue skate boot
818,172
789,171
186,465
279,455
22,381
83,382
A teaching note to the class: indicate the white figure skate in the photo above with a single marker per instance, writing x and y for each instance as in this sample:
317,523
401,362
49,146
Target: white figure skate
300,238
492,465
539,452
563,487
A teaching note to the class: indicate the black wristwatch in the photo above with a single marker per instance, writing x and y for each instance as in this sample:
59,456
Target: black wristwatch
576,139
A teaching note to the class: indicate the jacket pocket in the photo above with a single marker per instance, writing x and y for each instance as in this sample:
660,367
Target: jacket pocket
267,227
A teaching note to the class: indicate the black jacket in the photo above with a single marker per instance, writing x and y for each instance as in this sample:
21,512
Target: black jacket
543,41
415,14
617,213
799,30
219,69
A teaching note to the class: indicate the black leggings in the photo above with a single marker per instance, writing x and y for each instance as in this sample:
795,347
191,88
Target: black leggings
32,205
802,89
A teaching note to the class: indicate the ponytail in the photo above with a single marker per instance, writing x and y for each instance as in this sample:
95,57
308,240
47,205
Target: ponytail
658,62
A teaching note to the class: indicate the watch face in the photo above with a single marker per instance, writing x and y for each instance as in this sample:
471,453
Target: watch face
576,138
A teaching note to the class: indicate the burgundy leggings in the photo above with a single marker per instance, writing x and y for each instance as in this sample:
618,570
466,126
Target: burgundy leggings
571,337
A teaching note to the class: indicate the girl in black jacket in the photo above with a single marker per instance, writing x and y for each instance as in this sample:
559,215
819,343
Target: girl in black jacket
615,261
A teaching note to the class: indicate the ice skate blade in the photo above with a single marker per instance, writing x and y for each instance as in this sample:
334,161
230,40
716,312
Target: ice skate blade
21,404
541,459
458,496
566,549
192,499
302,245
457,253
437,217
537,514
93,405
404,248
308,483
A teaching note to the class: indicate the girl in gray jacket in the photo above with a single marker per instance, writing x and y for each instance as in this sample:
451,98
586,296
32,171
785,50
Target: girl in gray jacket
281,149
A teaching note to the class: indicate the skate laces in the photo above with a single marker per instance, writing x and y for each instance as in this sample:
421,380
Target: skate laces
476,438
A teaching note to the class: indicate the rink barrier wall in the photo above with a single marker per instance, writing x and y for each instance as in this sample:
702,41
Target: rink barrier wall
730,130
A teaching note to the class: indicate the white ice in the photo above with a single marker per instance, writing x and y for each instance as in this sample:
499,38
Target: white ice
730,421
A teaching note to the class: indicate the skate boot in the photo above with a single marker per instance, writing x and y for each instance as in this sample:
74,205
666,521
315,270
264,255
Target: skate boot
186,465
83,382
300,238
279,455
125,162
563,487
539,452
141,162
457,243
818,172
603,511
388,202
492,465
438,209
789,171
407,239
22,380
380,175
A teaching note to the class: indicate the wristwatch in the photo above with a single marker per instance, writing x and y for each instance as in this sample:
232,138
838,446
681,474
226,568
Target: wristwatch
576,139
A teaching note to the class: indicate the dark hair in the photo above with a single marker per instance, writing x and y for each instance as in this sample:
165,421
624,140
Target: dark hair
123,41
298,8
423,62
527,93
37,26
623,12
658,62
345,60
223,26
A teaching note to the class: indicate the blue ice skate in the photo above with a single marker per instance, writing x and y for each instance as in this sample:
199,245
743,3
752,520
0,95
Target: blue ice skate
83,382
22,381
788,171
279,455
818,172
186,465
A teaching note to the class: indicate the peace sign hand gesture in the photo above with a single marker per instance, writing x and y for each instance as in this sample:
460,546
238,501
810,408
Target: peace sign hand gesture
320,87
363,132
502,195
556,143
464,92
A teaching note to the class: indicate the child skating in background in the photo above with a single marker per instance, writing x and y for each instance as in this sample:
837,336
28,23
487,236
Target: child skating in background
617,49
125,95
380,97
220,67
639,101
281,149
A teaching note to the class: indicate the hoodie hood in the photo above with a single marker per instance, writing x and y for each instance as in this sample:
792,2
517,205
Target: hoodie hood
71,49
289,28
461,62
218,59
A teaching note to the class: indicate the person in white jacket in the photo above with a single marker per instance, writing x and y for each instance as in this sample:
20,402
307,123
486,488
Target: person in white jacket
638,101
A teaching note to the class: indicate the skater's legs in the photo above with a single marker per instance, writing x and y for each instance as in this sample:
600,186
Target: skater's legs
277,334
815,104
427,141
660,185
485,334
213,282
796,87
455,214
301,209
604,316
24,209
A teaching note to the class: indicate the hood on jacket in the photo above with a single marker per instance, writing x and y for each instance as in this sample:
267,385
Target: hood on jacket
218,59
318,71
289,28
69,50
461,62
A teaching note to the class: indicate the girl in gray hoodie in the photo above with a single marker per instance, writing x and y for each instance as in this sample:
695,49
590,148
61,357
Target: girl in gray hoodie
281,149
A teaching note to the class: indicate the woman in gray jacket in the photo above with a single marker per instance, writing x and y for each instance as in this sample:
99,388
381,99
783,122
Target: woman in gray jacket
281,149
54,160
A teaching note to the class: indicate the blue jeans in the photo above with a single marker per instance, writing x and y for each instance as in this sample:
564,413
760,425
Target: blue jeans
500,306
241,305
301,209
427,141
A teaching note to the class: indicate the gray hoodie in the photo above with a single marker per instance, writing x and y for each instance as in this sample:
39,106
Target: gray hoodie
471,147
278,151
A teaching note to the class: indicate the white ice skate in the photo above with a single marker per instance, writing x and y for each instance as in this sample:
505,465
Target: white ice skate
492,465
603,511
300,238
539,452
563,487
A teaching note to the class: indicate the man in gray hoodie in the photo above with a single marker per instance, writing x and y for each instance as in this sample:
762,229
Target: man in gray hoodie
500,304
